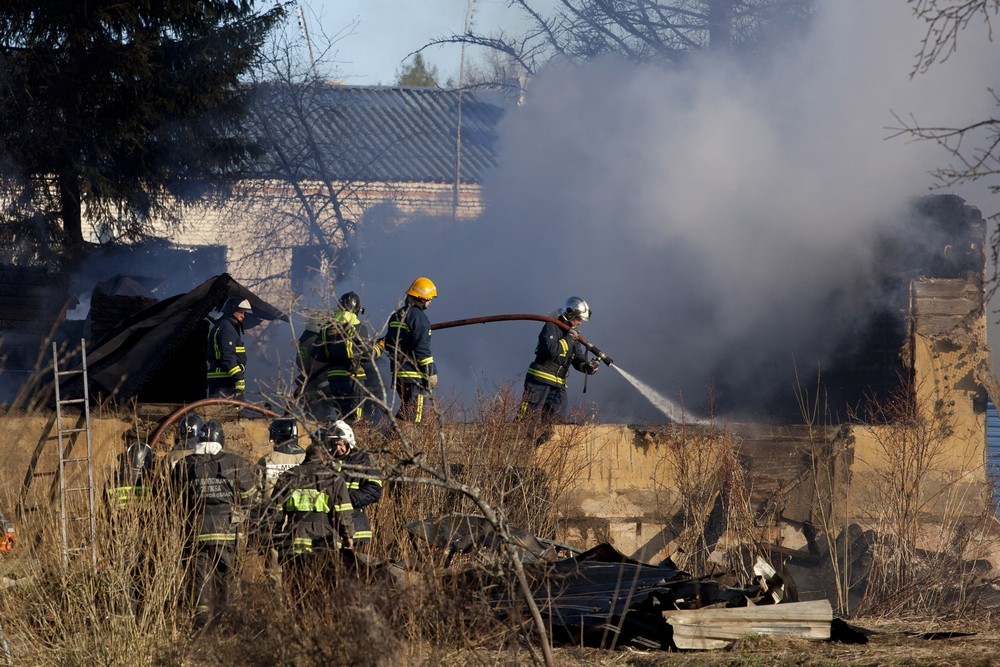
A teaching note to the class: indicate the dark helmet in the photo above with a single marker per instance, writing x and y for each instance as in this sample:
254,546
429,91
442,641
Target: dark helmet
352,302
235,303
282,430
188,428
324,437
135,463
212,432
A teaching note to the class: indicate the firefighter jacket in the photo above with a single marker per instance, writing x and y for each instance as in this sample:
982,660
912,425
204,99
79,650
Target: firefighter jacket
408,344
554,354
210,486
345,346
316,508
363,490
273,464
310,366
226,353
132,480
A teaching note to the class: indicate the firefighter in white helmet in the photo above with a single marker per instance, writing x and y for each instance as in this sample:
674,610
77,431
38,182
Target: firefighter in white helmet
356,465
226,352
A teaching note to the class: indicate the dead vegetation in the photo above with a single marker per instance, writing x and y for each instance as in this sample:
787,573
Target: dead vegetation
441,608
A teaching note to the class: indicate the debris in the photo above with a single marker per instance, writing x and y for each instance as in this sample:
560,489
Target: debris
717,628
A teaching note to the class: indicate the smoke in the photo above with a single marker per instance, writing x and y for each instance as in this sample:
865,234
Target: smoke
721,219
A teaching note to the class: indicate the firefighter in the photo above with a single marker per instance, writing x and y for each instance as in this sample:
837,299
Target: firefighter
356,466
188,429
312,373
408,344
211,484
557,350
226,352
130,510
283,434
345,347
316,520
133,476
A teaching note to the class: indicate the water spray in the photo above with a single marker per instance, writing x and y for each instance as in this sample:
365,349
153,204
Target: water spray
669,408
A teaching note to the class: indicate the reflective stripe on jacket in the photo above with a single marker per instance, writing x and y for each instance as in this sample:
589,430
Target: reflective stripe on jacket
317,509
554,354
210,486
226,353
363,490
408,343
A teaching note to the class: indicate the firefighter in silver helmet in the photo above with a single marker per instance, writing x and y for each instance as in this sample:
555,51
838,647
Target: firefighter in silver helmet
557,350
226,352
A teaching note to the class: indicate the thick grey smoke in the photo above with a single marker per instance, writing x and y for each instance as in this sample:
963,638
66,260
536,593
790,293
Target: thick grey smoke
719,218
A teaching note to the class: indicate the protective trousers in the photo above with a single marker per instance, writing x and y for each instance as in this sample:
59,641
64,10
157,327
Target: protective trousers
212,571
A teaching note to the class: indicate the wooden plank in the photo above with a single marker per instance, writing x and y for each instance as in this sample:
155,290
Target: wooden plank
701,629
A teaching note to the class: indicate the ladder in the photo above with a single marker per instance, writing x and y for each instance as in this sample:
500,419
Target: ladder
71,498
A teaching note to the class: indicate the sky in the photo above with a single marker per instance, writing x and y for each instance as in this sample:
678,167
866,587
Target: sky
373,37
719,218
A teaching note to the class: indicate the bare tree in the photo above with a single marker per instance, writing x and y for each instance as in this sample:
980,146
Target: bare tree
299,192
974,149
640,30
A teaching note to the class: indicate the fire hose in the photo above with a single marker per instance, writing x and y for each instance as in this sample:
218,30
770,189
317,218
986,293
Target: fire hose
180,412
593,349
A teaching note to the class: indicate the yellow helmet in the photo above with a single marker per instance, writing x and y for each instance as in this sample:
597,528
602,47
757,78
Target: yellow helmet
423,288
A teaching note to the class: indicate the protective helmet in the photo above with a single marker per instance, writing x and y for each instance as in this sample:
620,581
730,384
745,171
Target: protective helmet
575,307
235,303
212,432
341,430
352,302
423,288
282,430
188,428
137,461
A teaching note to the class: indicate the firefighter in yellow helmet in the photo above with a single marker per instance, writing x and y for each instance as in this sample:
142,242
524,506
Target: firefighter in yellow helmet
408,345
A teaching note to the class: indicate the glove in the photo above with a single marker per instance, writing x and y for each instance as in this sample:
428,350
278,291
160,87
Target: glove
573,334
240,386
432,381
592,366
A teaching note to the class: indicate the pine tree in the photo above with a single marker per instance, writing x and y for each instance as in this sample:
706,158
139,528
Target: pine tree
111,110
418,75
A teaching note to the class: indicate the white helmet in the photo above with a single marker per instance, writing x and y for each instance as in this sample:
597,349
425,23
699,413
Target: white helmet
235,303
575,307
341,430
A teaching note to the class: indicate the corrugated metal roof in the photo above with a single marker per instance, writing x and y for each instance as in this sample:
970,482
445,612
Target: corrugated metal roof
375,134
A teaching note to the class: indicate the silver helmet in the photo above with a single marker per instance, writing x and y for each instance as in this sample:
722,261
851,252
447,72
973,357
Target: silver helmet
575,307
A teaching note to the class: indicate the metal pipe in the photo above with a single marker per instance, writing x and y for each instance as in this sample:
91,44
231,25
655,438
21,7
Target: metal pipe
524,316
181,411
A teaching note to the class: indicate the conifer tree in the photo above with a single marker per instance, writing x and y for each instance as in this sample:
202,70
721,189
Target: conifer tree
110,111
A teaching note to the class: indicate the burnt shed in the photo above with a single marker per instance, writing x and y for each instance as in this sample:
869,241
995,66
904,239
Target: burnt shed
158,354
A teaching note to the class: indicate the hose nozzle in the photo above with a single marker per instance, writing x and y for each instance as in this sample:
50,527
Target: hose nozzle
600,355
